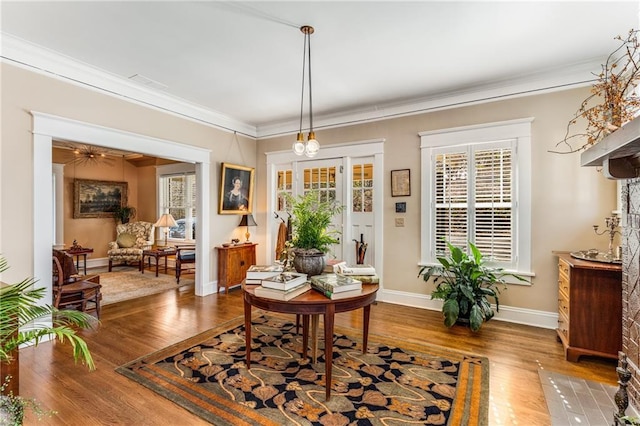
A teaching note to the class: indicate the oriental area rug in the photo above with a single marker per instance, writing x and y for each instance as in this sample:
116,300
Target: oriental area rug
131,284
393,383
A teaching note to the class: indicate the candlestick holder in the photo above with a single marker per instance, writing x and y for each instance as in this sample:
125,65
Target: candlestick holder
611,223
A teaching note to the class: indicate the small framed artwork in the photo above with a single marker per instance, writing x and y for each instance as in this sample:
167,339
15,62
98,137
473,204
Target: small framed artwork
236,189
401,183
401,207
97,198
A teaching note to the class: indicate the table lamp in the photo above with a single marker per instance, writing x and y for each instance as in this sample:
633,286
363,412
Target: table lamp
247,220
166,221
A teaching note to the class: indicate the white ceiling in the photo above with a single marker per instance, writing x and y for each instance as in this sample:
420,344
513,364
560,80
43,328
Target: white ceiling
238,65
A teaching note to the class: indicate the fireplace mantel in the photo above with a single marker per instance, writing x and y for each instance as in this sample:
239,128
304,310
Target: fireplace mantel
618,153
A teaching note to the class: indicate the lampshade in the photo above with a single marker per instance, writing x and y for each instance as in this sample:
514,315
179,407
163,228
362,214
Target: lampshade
166,221
247,220
311,147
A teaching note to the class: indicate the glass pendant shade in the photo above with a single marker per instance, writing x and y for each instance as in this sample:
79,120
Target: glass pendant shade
298,145
312,147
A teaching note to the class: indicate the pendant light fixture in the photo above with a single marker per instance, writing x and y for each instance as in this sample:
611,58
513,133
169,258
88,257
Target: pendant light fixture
310,147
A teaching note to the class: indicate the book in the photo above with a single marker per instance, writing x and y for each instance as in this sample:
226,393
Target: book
335,283
263,271
365,279
334,296
344,269
284,280
331,266
270,293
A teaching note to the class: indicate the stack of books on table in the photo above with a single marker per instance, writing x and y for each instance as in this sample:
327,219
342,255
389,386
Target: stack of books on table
284,286
366,274
336,286
256,273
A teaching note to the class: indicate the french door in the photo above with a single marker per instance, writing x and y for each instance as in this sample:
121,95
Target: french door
323,176
350,173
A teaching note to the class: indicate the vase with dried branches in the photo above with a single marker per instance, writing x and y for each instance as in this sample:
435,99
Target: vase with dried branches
613,100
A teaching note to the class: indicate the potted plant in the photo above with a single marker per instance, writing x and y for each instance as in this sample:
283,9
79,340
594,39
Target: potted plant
466,285
311,236
24,321
124,213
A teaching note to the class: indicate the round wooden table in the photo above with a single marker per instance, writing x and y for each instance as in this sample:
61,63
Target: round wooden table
312,303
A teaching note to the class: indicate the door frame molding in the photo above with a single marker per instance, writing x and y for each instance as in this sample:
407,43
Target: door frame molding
345,151
47,127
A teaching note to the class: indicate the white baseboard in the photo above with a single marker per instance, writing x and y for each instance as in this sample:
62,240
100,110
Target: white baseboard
524,316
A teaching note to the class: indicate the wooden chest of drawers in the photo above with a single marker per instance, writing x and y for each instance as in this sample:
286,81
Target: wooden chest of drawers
589,307
233,262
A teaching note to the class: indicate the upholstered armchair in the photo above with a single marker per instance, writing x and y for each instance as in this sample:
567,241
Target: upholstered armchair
131,239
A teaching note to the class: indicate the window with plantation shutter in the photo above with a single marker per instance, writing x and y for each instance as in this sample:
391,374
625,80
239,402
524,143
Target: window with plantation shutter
476,188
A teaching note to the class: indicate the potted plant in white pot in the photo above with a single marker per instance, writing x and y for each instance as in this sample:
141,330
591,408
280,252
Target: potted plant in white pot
467,286
24,321
311,236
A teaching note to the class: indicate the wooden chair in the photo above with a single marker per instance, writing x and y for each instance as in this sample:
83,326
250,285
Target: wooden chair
83,296
185,255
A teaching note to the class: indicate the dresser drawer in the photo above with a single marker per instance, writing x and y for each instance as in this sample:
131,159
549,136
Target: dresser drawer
564,281
563,305
563,326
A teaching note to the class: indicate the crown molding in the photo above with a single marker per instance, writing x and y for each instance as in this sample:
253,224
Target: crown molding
38,59
546,81
27,55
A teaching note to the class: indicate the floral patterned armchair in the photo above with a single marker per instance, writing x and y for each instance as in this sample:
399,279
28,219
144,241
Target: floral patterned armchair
131,239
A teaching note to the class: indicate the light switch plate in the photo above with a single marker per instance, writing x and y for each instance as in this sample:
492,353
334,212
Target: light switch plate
399,222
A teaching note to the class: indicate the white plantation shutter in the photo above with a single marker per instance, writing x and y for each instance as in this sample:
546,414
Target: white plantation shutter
493,216
473,199
451,200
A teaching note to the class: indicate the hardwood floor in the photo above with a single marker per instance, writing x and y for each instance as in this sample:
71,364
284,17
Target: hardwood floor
134,328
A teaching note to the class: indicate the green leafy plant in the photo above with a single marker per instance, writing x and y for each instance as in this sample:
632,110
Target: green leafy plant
311,221
466,285
24,321
124,214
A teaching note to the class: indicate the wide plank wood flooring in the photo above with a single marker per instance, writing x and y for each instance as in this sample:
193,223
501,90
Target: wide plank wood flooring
134,328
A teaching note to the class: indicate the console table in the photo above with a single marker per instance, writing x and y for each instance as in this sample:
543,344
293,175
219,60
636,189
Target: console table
157,253
312,303
80,252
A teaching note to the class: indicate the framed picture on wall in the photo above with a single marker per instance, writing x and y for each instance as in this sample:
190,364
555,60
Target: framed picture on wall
401,183
97,198
236,189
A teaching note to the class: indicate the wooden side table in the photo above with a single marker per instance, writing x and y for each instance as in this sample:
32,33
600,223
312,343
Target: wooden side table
80,252
157,253
233,262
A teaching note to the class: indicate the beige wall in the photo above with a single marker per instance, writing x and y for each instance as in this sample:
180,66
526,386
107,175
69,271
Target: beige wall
566,198
24,91
98,232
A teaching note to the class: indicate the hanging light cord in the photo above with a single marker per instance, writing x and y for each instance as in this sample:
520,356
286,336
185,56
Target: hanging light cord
308,49
304,63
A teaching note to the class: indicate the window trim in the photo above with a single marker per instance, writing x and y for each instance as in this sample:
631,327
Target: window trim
520,131
180,169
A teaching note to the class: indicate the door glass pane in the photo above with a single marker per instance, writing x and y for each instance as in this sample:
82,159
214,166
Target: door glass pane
285,185
362,188
322,179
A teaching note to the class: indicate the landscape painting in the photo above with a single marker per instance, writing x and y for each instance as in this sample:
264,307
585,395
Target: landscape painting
97,198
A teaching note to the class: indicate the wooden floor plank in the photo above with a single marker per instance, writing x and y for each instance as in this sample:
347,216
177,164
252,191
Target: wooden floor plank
135,328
